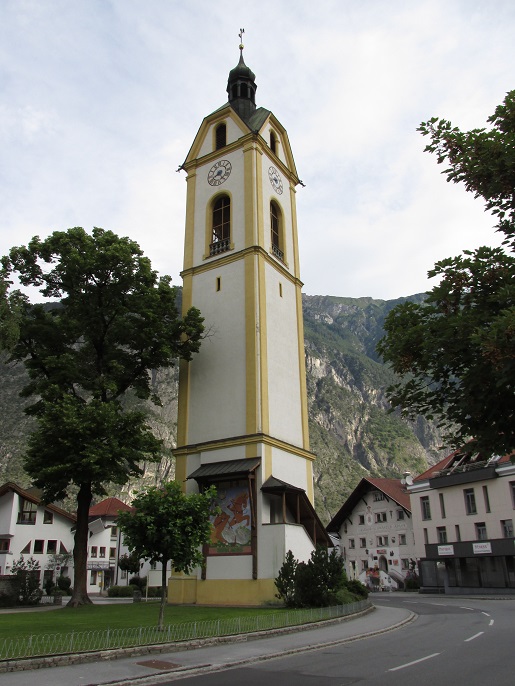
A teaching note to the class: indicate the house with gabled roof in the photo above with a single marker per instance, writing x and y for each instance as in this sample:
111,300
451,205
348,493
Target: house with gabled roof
463,510
31,528
375,533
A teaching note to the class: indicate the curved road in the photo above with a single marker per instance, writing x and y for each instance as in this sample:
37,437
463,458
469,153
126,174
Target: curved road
453,641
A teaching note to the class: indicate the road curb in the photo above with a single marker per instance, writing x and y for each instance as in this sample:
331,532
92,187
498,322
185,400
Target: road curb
183,672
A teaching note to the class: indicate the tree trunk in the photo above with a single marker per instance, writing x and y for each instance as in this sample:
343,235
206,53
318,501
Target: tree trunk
80,550
164,593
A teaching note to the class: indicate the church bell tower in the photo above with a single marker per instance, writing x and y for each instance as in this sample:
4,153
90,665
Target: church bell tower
243,422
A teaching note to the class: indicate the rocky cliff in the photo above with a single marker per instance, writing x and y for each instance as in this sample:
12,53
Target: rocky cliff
351,431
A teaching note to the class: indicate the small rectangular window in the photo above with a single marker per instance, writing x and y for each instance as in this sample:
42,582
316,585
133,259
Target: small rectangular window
48,517
402,539
351,543
39,546
487,499
114,531
218,283
481,534
404,563
51,547
93,578
364,565
361,519
27,512
400,515
378,496
457,532
512,489
470,501
442,505
380,517
441,534
507,528
94,551
426,537
362,542
102,552
425,507
112,553
280,290
4,545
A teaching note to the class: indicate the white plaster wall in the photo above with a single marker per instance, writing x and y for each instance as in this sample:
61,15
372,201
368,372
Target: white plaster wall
229,567
275,541
7,513
284,202
284,389
289,468
218,372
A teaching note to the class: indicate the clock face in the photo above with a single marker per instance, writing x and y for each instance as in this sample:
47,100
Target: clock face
219,172
275,180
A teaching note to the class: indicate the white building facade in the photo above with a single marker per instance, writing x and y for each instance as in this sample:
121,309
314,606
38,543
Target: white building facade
31,529
463,513
375,532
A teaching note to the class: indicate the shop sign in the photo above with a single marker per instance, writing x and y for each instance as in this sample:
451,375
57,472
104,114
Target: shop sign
482,548
445,550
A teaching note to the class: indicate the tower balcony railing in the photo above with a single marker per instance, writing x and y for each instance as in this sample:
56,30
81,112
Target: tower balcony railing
220,246
277,253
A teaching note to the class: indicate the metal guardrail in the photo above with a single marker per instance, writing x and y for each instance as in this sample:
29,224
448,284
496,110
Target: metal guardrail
109,639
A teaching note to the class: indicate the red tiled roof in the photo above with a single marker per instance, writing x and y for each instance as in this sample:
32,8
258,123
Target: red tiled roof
447,462
392,488
108,508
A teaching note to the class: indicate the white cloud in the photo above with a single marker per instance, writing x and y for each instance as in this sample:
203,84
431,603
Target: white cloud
102,100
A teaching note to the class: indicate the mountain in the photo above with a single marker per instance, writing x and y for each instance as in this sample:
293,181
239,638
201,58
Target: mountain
351,430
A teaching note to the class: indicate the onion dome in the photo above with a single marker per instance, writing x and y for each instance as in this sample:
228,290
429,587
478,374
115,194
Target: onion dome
241,87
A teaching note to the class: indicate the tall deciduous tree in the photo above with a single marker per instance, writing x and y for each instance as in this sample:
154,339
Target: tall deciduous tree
456,350
168,525
114,321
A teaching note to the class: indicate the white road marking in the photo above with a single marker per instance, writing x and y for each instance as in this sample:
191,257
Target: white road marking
485,613
491,622
467,608
409,664
474,636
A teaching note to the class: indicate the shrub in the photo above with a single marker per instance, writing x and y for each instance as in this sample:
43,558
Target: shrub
355,586
25,581
121,591
140,582
285,581
64,583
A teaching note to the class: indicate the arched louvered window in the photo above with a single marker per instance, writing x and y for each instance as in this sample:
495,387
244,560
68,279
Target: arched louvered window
276,230
221,136
221,225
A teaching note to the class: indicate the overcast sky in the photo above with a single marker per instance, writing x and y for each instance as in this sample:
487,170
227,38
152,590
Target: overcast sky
101,99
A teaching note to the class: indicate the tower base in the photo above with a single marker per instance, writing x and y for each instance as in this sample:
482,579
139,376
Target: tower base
229,592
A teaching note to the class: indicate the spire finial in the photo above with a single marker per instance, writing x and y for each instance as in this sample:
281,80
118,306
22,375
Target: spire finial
242,31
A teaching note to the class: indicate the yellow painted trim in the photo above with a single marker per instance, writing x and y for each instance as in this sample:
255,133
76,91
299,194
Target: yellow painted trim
260,235
189,238
218,261
248,439
309,481
263,346
249,197
251,349
184,371
228,592
295,233
302,370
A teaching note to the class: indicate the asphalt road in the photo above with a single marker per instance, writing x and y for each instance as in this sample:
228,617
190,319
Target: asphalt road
452,642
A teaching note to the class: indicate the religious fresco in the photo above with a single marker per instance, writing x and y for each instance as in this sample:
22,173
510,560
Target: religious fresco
231,527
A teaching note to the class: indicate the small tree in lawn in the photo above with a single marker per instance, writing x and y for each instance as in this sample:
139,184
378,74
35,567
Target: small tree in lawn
129,563
25,581
168,525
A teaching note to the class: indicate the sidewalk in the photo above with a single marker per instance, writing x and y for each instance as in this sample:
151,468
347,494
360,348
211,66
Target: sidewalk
167,666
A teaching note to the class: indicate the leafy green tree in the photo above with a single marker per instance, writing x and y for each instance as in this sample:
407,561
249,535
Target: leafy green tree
285,580
129,563
113,322
168,525
25,581
456,350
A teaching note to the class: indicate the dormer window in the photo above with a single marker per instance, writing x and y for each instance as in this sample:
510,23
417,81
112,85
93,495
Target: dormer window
220,136
273,142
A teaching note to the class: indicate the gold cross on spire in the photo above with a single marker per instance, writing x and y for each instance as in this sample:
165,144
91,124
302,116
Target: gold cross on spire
242,31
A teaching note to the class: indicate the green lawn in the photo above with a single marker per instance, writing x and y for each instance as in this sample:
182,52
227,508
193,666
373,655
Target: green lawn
98,617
